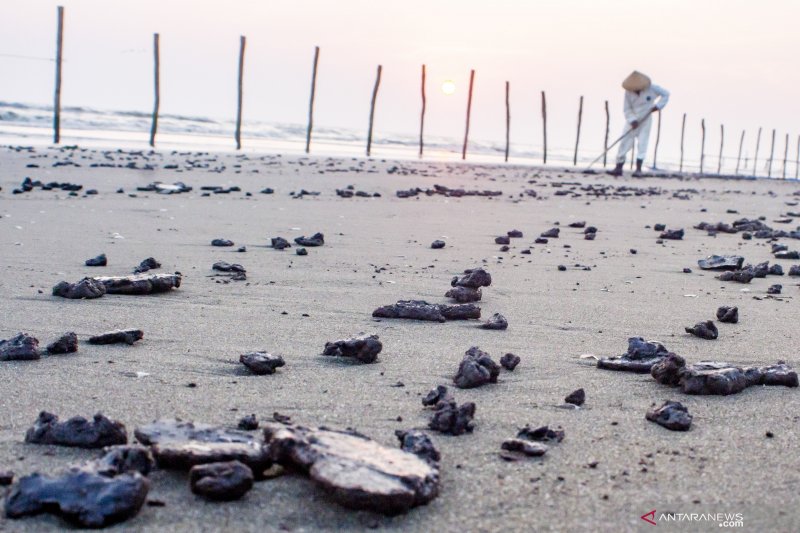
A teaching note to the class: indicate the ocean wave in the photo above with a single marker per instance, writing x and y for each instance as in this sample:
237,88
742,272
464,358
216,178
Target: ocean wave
132,121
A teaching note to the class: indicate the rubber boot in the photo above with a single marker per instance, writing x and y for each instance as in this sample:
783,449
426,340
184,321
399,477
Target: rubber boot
638,172
617,170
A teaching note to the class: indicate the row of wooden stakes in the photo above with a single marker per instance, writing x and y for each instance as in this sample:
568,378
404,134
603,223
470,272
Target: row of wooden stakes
238,130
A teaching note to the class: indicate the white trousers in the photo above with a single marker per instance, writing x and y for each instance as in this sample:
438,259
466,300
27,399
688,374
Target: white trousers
642,136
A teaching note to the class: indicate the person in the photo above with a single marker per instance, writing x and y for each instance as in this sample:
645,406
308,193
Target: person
642,99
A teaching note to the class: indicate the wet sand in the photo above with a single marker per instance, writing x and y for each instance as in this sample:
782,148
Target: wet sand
377,250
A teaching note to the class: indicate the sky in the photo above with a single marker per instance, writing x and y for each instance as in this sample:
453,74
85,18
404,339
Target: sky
727,61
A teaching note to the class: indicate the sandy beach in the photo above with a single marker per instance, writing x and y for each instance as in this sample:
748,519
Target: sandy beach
613,465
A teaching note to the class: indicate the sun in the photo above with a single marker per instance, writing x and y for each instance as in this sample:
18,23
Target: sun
448,87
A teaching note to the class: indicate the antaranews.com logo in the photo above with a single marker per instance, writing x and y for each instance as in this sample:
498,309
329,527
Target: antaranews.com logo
722,519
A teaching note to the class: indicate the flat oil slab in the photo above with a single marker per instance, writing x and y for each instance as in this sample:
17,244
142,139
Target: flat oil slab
354,470
85,498
139,284
181,445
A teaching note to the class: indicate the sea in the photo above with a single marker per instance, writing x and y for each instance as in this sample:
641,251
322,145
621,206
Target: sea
31,124
22,123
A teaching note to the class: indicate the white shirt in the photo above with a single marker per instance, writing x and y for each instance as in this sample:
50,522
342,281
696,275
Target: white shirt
637,105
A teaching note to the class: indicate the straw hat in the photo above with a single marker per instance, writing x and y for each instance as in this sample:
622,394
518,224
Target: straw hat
636,82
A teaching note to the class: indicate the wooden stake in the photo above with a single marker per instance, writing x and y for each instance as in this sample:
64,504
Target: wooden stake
372,109
755,156
797,161
683,131
242,42
422,114
578,136
771,155
658,138
469,110
605,140
157,101
785,155
508,120
59,55
703,144
311,100
721,143
739,157
544,129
